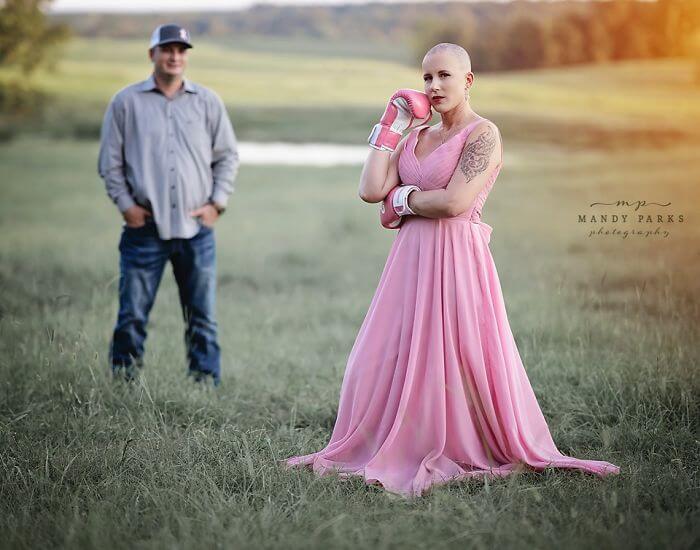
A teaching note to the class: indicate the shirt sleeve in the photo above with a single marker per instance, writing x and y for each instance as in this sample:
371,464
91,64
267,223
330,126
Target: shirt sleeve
110,163
225,161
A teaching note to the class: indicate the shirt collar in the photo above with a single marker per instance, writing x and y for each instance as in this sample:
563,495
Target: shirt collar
149,85
189,87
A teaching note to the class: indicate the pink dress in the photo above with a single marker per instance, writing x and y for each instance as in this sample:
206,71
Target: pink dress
434,389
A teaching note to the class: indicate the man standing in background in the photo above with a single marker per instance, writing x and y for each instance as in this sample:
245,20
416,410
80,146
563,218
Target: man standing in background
168,157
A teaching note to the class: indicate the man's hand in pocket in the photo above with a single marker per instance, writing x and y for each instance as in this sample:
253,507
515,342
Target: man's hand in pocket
135,216
208,214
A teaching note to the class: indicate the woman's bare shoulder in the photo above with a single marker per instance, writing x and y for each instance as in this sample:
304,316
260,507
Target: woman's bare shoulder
485,130
484,141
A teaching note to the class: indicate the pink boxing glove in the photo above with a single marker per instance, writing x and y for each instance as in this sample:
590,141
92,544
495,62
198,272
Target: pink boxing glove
395,205
406,109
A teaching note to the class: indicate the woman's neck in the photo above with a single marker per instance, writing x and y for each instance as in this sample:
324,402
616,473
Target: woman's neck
456,117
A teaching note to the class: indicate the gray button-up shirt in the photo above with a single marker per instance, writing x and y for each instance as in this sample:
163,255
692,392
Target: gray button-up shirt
170,156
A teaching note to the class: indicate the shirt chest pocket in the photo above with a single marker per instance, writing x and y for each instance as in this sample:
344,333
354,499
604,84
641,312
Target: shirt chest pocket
196,131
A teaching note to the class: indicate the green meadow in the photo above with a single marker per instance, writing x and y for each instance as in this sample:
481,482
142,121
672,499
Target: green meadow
606,325
335,94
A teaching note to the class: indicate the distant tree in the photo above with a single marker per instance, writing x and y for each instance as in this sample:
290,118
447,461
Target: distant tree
434,31
584,38
693,46
485,46
525,45
201,27
617,17
598,42
670,15
566,43
647,29
27,39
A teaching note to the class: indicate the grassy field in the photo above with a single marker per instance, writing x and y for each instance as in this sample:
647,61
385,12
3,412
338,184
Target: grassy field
606,327
273,95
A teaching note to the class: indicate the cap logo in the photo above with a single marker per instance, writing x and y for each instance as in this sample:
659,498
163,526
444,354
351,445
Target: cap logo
183,34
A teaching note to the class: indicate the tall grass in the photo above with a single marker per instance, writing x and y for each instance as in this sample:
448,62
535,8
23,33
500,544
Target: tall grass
607,330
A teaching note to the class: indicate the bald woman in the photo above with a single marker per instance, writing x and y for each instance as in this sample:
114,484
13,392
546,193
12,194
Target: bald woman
435,389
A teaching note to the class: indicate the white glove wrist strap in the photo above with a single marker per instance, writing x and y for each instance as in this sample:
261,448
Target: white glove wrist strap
401,200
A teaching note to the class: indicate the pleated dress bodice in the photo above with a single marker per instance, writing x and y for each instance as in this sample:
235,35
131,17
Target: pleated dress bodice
436,169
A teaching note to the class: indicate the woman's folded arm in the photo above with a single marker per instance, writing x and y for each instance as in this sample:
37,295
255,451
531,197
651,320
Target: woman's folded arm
380,173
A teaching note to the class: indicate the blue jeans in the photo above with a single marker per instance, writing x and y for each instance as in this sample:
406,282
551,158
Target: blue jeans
143,255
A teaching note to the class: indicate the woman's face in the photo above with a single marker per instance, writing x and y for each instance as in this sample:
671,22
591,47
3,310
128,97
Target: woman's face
444,81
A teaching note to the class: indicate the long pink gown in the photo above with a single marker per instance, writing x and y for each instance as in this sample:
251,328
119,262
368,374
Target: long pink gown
434,389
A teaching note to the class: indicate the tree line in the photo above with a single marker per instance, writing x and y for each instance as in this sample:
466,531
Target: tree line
500,36
27,41
595,32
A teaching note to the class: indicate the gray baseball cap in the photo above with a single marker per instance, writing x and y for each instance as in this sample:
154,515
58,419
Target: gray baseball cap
166,34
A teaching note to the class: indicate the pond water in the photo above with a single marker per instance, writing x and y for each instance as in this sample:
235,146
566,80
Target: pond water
338,154
302,154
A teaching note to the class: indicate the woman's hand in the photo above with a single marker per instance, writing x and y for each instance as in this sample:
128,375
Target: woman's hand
406,109
395,206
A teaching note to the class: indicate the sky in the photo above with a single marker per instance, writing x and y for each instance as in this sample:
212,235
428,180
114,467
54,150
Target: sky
181,5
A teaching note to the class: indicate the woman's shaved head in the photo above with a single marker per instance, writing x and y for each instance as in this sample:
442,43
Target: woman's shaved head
454,50
447,77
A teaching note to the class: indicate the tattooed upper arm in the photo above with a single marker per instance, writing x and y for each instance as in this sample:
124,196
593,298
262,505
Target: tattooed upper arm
477,153
481,155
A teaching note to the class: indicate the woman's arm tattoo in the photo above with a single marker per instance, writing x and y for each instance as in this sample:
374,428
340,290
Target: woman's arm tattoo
475,156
